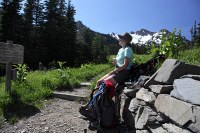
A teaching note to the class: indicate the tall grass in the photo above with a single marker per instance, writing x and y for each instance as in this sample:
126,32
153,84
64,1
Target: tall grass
5,98
191,56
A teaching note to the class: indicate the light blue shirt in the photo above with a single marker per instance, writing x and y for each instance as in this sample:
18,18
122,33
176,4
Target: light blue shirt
122,53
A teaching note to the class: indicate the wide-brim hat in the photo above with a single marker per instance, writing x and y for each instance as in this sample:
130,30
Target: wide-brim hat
126,36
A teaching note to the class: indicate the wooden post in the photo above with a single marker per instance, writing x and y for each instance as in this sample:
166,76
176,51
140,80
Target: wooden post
10,54
8,76
8,71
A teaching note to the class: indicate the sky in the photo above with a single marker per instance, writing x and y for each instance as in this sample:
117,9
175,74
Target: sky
119,16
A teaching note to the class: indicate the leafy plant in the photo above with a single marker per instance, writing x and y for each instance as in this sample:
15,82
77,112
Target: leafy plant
170,45
22,71
64,76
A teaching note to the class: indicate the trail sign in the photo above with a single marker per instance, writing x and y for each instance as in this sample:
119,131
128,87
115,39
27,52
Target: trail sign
10,53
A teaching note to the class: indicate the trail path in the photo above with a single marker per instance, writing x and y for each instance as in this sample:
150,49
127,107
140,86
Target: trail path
60,116
57,116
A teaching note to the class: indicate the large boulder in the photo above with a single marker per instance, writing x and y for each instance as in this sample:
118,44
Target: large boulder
187,89
178,111
170,70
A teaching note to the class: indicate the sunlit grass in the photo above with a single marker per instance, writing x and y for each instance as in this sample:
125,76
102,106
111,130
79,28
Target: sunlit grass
191,56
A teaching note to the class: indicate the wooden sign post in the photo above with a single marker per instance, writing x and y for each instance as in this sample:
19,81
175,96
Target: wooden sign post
10,54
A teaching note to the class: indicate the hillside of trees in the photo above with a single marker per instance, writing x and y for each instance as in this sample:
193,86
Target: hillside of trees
49,33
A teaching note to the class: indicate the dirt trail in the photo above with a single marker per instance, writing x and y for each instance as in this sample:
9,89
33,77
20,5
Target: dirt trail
59,116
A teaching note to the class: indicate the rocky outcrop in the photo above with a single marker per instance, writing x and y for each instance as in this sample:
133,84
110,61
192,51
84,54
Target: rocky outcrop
169,102
172,69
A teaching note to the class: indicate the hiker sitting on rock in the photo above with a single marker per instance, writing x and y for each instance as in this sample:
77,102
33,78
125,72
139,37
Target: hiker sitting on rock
123,62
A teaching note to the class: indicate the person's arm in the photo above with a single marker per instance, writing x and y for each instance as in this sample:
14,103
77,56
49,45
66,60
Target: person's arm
124,66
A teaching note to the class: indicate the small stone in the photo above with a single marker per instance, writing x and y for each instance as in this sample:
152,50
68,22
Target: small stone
15,127
43,123
23,131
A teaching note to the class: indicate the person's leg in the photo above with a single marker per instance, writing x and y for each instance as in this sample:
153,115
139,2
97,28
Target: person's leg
105,77
95,90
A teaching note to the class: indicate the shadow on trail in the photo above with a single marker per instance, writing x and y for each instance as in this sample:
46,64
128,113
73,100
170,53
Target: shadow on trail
18,109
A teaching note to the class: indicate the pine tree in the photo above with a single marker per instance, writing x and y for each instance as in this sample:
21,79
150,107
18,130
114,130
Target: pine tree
1,13
71,32
51,30
32,32
11,21
198,36
99,52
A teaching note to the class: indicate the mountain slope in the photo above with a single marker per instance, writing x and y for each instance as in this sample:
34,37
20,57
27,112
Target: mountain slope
146,37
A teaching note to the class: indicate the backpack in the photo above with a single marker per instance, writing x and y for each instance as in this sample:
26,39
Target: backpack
103,106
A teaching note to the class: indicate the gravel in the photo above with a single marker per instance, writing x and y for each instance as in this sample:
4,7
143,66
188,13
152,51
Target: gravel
59,116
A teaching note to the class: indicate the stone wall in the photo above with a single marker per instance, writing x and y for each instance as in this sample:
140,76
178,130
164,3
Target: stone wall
166,102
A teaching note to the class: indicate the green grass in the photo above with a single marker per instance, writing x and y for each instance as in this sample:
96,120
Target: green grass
139,59
191,56
39,85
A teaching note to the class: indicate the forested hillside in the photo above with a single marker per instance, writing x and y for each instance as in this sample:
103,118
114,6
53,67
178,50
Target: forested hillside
49,33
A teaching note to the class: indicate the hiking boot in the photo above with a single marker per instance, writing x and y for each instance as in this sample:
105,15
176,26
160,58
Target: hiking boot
84,106
95,126
89,113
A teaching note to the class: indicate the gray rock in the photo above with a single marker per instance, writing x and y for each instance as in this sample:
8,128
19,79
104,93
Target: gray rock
130,92
172,69
195,77
157,129
178,111
135,104
161,89
187,89
145,115
123,110
151,81
140,83
174,129
142,131
195,127
141,118
145,95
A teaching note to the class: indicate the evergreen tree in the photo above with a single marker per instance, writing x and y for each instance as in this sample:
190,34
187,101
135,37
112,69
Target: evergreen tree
88,38
198,36
71,33
1,12
32,30
51,30
11,21
193,32
99,52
